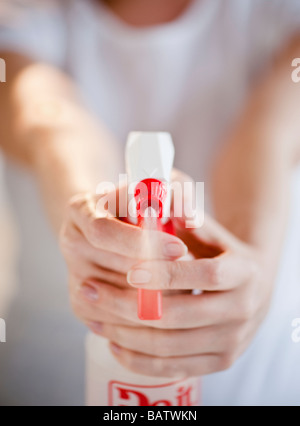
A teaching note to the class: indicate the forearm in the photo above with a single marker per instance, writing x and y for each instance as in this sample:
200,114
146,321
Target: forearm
70,159
251,195
45,128
60,171
252,175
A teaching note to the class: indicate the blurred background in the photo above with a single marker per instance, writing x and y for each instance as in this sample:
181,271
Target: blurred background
42,362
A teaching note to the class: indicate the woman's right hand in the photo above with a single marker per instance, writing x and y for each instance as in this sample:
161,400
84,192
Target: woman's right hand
99,250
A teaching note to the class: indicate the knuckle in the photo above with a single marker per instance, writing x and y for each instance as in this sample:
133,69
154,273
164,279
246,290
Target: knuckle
173,369
246,310
131,359
95,230
226,360
159,367
162,344
174,318
168,320
247,313
114,334
69,241
64,238
235,340
255,270
77,202
76,306
169,282
174,270
214,270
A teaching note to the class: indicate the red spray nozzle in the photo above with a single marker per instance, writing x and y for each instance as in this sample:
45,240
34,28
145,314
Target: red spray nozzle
150,193
149,161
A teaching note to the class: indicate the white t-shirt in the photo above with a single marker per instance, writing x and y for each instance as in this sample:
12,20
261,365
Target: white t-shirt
188,77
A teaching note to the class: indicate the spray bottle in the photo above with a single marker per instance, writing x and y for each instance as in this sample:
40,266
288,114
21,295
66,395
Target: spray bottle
149,161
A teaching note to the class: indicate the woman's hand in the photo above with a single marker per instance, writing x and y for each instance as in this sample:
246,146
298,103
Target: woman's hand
99,251
198,334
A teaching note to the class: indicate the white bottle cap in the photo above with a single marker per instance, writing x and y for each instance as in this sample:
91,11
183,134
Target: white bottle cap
150,155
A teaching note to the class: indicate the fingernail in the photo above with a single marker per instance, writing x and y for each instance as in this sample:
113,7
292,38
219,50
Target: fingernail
89,292
97,327
115,348
175,250
139,276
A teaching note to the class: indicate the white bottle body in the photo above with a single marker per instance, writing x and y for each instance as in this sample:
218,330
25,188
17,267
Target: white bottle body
110,384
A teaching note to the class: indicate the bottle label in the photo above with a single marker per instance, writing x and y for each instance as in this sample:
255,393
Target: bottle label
180,393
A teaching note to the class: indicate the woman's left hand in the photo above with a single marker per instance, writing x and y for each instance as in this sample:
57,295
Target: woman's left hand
198,334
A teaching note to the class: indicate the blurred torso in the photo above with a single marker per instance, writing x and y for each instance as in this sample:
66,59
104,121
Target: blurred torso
142,13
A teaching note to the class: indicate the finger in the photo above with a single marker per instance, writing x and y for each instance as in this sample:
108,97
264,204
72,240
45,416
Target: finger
180,311
85,271
92,297
76,248
90,313
94,317
188,366
111,234
110,320
208,309
167,343
81,266
223,272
